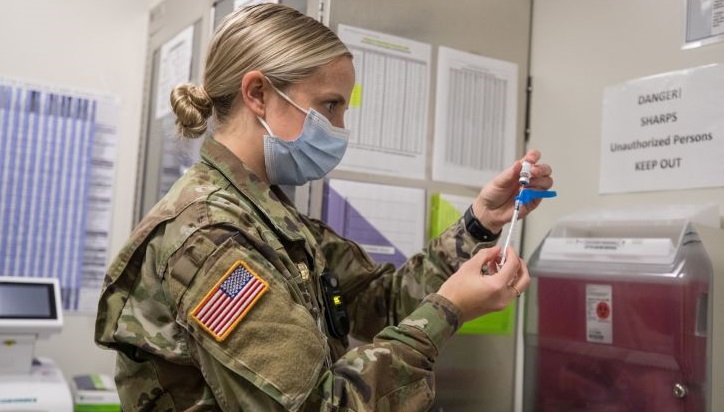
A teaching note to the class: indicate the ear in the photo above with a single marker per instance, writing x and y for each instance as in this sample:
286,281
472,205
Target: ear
254,91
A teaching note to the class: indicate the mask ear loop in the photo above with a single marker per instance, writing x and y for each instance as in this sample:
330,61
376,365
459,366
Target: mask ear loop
285,97
266,126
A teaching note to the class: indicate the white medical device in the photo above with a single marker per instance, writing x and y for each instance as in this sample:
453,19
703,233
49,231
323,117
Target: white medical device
30,308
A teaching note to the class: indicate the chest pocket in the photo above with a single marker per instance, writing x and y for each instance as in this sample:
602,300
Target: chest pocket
299,264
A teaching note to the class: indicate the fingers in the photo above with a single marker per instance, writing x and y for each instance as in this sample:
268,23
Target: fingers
484,256
509,270
522,281
533,156
511,174
541,183
540,172
514,275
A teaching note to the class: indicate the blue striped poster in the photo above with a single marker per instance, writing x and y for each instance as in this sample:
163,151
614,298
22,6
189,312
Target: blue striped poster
51,185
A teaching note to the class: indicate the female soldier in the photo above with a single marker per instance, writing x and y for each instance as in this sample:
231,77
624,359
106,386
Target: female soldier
226,298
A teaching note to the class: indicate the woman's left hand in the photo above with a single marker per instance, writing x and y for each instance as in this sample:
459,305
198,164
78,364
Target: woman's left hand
494,205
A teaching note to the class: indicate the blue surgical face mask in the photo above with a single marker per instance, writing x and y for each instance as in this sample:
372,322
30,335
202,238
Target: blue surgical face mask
318,149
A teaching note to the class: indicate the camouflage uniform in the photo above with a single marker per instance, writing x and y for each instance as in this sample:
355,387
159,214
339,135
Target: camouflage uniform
277,357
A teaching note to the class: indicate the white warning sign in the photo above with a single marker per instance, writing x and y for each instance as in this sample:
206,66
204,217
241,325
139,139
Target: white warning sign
599,314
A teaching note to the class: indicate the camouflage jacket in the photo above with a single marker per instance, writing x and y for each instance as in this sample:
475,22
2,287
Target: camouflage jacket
220,226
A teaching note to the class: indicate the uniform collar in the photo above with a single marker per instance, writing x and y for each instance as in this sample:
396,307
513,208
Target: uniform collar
270,200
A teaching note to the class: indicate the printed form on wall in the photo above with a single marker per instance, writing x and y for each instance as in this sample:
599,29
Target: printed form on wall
174,68
717,17
475,117
57,157
387,221
388,109
664,132
704,22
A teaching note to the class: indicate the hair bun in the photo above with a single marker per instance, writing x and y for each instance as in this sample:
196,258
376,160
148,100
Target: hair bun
193,107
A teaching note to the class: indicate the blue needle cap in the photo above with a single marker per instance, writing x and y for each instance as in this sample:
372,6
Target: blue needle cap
526,195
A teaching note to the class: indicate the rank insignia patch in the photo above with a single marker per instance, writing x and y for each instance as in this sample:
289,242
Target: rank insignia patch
229,300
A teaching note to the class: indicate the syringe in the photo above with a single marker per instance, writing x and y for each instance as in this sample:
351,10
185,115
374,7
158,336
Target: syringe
524,181
524,197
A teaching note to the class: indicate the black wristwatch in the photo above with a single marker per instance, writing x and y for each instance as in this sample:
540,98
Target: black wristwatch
477,230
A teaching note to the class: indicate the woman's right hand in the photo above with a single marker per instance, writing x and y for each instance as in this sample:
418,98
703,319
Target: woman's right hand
476,293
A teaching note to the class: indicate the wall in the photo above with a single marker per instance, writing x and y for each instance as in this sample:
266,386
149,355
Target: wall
97,46
579,47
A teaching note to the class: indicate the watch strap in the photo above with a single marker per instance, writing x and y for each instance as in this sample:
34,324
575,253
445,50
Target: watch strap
477,230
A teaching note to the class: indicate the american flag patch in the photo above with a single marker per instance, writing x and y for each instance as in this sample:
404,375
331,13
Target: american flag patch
229,300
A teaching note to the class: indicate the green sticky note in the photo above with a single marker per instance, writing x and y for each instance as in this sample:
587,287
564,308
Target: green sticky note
444,211
355,100
495,323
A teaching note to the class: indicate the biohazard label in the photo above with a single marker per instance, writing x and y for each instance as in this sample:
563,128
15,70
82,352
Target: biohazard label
599,314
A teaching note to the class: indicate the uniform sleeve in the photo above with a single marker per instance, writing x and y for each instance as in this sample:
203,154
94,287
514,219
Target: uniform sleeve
271,355
394,372
380,295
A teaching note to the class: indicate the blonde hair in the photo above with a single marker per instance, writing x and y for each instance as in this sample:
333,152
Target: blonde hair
282,43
